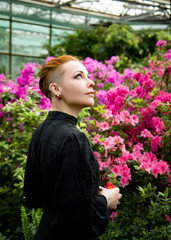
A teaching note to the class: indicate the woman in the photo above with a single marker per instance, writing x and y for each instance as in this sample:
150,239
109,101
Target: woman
62,174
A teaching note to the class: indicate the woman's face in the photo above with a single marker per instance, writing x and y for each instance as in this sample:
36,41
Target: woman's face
76,87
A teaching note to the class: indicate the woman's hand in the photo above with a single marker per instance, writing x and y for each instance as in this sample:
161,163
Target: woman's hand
112,195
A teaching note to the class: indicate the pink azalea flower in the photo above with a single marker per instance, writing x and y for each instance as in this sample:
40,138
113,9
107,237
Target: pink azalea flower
113,215
109,143
100,85
146,134
168,218
168,54
104,126
108,114
155,140
49,58
2,77
163,97
45,103
161,43
134,119
138,147
127,74
160,72
96,138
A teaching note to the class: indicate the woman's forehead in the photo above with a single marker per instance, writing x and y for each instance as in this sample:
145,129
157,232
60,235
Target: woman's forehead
74,66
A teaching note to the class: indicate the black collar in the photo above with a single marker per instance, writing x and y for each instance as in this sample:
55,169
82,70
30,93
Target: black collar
63,116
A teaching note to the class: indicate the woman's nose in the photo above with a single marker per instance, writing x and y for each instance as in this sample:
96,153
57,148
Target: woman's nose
90,83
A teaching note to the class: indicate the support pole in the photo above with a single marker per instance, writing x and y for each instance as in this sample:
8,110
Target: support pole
10,40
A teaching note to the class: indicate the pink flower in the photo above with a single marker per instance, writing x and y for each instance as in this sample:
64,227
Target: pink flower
45,103
117,94
127,74
21,127
102,97
161,43
96,138
113,59
125,117
168,218
113,215
167,55
123,171
146,134
157,124
160,72
104,126
155,142
49,58
2,77
100,85
109,143
114,77
108,114
163,97
163,167
138,147
97,154
134,119
149,162
2,115
169,71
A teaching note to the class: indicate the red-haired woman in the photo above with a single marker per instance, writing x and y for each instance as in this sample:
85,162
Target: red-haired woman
62,174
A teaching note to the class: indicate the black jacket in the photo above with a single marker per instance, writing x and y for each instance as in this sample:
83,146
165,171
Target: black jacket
62,177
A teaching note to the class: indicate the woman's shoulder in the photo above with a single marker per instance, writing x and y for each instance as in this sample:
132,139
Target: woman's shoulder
57,134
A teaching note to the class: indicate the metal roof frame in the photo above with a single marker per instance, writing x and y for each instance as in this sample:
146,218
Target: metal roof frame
57,13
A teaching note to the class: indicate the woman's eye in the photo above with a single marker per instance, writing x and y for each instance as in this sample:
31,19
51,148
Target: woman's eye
78,76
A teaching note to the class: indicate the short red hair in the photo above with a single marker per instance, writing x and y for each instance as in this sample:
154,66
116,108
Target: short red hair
49,74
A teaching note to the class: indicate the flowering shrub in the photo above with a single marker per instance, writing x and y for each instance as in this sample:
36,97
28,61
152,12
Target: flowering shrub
128,128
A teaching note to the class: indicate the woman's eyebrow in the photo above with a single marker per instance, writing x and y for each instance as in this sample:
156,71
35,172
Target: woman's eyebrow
81,72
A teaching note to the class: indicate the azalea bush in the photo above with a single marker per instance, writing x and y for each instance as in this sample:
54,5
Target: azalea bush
129,131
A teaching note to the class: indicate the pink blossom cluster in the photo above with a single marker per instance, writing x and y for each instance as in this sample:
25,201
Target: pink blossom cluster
124,117
168,54
25,85
143,127
148,161
105,73
26,77
116,97
161,43
117,166
157,66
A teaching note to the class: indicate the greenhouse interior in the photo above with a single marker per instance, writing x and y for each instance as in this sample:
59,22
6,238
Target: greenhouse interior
95,77
25,26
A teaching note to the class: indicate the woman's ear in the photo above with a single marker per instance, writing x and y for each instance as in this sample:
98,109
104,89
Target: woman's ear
55,89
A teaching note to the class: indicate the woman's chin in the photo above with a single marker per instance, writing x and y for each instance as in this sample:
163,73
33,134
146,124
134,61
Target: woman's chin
91,103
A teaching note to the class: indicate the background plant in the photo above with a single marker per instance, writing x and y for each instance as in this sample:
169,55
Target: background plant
115,40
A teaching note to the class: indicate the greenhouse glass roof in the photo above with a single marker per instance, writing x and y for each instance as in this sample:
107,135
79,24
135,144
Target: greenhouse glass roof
73,12
130,10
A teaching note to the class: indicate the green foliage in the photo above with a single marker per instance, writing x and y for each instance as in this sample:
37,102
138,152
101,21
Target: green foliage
21,119
142,215
116,40
2,237
30,222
